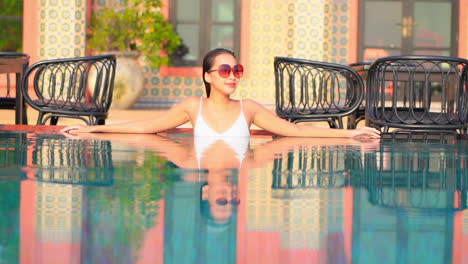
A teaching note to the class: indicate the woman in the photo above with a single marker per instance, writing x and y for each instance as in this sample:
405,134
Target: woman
218,114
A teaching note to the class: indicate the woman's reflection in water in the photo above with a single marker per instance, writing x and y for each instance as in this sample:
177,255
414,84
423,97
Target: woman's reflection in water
203,226
219,195
221,158
200,215
201,208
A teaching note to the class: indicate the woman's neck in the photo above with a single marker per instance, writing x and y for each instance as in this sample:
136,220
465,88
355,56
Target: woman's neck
219,100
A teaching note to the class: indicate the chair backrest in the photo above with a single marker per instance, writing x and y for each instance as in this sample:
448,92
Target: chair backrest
73,161
418,93
72,85
361,68
12,67
306,88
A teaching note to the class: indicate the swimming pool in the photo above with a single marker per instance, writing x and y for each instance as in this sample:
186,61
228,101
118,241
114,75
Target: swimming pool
116,198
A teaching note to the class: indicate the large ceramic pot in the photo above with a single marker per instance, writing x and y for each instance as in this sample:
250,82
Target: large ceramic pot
129,80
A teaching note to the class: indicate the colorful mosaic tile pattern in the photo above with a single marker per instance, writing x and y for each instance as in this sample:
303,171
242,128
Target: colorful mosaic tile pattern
308,28
311,29
268,37
291,211
292,28
62,28
336,33
59,210
164,91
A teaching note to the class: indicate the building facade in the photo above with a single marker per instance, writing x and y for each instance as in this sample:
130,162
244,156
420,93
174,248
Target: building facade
324,30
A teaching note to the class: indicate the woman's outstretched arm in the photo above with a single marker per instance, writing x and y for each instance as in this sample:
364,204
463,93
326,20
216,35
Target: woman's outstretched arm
267,120
172,118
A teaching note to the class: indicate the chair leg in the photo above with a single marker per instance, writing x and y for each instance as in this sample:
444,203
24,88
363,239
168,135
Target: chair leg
352,120
333,124
39,118
25,116
340,123
54,120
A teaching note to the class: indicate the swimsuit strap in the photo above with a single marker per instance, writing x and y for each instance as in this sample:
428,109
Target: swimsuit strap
198,155
200,107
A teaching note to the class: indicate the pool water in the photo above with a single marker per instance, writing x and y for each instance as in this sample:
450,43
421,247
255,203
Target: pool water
171,198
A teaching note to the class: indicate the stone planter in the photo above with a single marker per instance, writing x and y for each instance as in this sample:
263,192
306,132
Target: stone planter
129,80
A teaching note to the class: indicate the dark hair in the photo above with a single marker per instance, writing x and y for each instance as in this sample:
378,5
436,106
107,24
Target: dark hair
208,63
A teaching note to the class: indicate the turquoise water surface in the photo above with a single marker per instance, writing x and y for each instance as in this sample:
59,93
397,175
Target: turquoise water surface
110,198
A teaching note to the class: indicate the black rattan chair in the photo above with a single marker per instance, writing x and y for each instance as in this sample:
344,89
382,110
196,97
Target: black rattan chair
418,94
359,115
12,67
78,88
316,91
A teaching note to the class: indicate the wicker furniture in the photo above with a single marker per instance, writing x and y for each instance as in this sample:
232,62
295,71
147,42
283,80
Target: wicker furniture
418,94
359,115
316,91
78,88
12,67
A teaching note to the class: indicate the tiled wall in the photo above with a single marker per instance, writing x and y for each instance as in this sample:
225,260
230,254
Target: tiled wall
311,29
62,28
59,212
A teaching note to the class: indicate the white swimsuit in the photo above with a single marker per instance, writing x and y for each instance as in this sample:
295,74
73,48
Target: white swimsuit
237,137
238,129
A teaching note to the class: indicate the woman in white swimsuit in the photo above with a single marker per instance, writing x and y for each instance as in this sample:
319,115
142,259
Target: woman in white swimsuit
218,115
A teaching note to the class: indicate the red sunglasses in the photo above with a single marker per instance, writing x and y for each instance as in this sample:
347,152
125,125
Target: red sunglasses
224,70
224,201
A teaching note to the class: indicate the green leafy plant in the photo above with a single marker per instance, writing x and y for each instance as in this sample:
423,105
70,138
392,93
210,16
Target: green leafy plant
127,210
136,25
11,12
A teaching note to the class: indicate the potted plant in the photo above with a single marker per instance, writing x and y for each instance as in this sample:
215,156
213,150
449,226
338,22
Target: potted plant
130,30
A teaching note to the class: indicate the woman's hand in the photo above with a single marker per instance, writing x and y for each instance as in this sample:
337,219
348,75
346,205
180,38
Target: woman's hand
77,129
365,132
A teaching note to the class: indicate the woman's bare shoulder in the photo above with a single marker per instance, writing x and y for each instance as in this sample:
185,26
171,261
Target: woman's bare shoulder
190,102
251,104
189,105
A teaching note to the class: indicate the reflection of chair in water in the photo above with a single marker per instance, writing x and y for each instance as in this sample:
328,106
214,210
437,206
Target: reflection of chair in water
431,179
78,88
59,160
13,149
317,167
400,235
429,94
410,203
316,91
12,67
